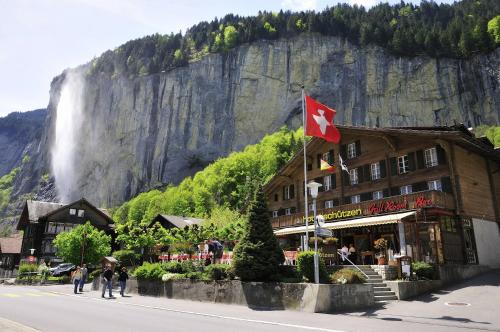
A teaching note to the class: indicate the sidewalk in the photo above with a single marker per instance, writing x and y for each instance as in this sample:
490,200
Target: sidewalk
10,326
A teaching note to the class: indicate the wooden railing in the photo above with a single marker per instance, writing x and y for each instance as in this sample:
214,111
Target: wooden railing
393,204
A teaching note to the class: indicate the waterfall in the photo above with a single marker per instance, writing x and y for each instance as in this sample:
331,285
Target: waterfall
69,117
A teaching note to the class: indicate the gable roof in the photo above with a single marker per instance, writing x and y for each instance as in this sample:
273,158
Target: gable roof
33,211
11,244
178,221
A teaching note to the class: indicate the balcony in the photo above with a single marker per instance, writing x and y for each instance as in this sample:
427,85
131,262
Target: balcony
373,207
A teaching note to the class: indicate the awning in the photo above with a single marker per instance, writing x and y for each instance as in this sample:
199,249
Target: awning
359,222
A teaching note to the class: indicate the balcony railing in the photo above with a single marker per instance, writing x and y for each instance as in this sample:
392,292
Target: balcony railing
397,203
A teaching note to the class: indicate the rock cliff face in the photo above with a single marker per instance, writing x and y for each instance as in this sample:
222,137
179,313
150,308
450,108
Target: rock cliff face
18,133
140,133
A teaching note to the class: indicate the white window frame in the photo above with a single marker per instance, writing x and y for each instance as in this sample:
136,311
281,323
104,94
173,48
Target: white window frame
327,182
81,213
406,190
72,212
375,171
275,214
328,204
434,185
403,164
355,199
353,176
351,150
430,157
379,194
288,211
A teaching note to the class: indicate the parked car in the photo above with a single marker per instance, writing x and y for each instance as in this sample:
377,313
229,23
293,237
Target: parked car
63,269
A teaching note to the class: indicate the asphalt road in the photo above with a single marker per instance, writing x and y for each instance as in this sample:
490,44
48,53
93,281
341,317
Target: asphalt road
56,308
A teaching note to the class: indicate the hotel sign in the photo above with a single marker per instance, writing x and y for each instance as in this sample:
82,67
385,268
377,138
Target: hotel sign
339,214
393,206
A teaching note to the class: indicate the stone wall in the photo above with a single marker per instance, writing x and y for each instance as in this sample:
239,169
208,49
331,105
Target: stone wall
388,272
259,295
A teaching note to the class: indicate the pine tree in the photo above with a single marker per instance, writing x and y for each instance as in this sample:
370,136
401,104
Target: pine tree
257,256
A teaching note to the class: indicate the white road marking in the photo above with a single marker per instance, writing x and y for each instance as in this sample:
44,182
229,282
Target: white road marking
304,327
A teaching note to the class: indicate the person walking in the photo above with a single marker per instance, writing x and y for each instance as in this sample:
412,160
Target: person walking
84,277
122,278
353,255
344,252
77,276
107,278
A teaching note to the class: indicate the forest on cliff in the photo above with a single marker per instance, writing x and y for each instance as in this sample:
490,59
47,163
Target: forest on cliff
460,30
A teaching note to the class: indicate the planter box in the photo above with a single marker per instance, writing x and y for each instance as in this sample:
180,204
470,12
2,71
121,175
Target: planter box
260,295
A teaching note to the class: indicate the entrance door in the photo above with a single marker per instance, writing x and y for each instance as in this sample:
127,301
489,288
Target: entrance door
470,247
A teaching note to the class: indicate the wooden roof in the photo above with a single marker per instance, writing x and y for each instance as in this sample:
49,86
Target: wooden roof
178,221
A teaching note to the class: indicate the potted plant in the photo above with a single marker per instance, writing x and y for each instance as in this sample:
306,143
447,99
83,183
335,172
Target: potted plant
331,241
381,245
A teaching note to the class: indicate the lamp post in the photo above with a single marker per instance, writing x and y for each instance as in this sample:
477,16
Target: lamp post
313,189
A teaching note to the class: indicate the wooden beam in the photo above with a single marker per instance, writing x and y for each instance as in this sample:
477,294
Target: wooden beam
391,141
450,158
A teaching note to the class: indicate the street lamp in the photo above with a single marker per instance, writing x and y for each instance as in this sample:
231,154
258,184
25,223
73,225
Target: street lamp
313,189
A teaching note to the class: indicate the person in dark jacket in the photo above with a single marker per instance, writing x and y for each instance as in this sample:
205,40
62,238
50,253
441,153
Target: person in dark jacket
122,278
107,278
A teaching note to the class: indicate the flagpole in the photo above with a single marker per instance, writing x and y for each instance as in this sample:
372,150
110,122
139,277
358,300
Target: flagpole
306,207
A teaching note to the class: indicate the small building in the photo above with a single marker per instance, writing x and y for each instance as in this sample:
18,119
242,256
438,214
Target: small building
10,251
42,221
432,192
169,222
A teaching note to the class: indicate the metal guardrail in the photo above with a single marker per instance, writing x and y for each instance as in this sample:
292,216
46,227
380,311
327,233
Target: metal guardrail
344,257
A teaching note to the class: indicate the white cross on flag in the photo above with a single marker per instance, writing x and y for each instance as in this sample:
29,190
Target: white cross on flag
319,121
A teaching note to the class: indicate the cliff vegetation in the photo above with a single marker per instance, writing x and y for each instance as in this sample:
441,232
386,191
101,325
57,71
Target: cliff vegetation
459,30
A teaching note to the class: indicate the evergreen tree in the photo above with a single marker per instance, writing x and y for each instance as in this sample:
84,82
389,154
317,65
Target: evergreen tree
257,256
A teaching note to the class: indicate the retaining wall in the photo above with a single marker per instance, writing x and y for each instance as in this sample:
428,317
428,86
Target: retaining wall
260,295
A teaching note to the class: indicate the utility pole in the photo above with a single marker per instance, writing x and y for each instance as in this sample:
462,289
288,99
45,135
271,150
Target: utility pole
83,247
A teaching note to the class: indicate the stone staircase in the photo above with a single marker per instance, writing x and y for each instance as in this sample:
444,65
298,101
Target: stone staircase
382,293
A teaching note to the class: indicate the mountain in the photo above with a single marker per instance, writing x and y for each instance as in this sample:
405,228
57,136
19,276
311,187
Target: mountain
158,109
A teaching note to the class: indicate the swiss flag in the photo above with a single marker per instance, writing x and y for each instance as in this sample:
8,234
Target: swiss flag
319,121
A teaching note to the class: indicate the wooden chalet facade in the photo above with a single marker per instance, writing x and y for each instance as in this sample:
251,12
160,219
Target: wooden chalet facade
42,221
432,192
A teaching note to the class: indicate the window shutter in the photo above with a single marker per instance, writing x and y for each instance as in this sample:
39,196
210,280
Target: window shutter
334,181
284,197
293,210
441,155
386,192
366,172
320,181
309,167
383,170
281,212
420,159
292,191
446,184
411,161
343,151
335,202
366,197
318,161
345,179
394,165
331,157
358,148
394,191
419,186
347,200
361,176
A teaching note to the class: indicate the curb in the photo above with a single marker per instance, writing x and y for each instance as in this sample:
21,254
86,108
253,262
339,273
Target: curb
7,325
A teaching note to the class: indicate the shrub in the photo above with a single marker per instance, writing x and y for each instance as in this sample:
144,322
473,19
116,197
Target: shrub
126,257
423,270
305,266
188,266
26,270
150,271
347,276
217,271
94,274
173,267
289,273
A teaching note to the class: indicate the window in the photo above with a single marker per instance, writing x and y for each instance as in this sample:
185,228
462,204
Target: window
52,228
351,150
275,214
355,199
288,211
403,165
311,207
353,176
378,194
81,213
327,182
435,185
405,190
375,171
275,197
328,204
430,157
72,212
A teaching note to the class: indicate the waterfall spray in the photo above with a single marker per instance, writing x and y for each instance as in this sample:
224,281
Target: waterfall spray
69,118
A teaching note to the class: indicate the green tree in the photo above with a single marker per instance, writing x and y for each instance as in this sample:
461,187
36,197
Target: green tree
257,256
230,37
494,28
83,239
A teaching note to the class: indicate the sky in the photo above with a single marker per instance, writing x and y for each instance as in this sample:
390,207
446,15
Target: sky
41,38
